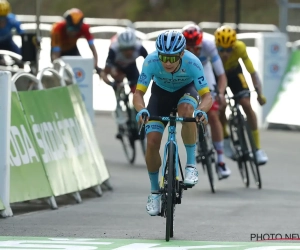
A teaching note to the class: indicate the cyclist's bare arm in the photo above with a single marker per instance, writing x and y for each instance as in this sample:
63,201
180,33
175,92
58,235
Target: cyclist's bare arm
256,83
254,76
222,83
138,100
95,54
219,70
104,73
55,55
206,102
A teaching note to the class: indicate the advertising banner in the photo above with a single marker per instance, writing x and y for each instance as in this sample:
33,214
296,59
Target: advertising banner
285,108
272,62
83,71
88,131
28,179
60,140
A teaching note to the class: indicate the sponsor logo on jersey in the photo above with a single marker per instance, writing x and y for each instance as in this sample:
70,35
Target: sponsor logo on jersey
143,78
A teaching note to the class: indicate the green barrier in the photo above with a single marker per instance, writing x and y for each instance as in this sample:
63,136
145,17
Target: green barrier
88,130
61,134
28,179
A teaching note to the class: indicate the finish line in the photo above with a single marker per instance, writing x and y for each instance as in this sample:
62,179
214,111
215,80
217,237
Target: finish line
19,243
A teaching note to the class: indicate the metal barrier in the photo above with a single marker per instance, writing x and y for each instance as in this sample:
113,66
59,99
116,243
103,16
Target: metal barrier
115,29
204,25
64,70
88,20
34,81
42,74
44,29
241,26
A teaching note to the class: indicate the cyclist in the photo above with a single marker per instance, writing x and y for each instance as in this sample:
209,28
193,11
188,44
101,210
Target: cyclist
121,60
178,81
231,50
8,22
205,49
64,36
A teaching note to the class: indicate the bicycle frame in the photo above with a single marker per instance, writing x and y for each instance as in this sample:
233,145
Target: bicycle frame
171,139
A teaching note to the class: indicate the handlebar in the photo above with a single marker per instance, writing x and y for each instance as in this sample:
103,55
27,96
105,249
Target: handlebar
172,118
167,119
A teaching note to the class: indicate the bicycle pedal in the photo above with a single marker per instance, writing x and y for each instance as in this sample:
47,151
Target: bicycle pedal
188,186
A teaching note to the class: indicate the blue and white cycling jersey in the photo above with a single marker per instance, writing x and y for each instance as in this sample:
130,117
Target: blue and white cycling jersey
191,70
11,23
209,53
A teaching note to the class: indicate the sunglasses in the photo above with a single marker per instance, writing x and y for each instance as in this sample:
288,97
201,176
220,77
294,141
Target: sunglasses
228,50
168,58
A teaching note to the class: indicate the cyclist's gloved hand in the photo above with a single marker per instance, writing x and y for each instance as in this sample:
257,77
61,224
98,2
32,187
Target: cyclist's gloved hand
98,70
261,99
113,84
139,117
201,115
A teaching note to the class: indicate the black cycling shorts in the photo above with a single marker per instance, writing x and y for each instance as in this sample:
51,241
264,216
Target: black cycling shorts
236,80
162,103
131,71
72,52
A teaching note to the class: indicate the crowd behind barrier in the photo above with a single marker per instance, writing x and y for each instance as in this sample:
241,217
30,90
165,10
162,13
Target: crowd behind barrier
48,145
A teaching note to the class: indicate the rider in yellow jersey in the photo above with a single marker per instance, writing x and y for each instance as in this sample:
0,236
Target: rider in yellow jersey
231,50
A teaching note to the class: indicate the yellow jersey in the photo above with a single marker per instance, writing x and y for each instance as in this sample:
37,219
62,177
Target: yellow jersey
239,51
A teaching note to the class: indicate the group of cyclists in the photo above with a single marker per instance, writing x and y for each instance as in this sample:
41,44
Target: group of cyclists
190,72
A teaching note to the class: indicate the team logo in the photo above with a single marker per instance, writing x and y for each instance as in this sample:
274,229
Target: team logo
275,48
274,68
201,80
143,77
79,74
183,70
147,127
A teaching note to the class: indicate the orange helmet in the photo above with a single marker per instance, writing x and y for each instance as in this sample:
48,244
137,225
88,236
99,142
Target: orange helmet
74,19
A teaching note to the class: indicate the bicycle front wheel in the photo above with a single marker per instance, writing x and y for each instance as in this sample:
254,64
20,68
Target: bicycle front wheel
170,193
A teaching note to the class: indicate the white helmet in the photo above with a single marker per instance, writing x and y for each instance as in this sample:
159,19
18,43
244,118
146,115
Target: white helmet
127,38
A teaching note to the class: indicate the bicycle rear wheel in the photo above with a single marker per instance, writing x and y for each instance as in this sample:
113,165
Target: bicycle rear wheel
237,139
170,193
244,172
251,155
207,162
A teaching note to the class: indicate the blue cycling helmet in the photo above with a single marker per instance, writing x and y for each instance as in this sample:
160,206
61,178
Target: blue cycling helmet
170,42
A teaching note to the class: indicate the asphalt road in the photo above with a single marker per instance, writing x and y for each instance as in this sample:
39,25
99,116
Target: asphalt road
231,214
